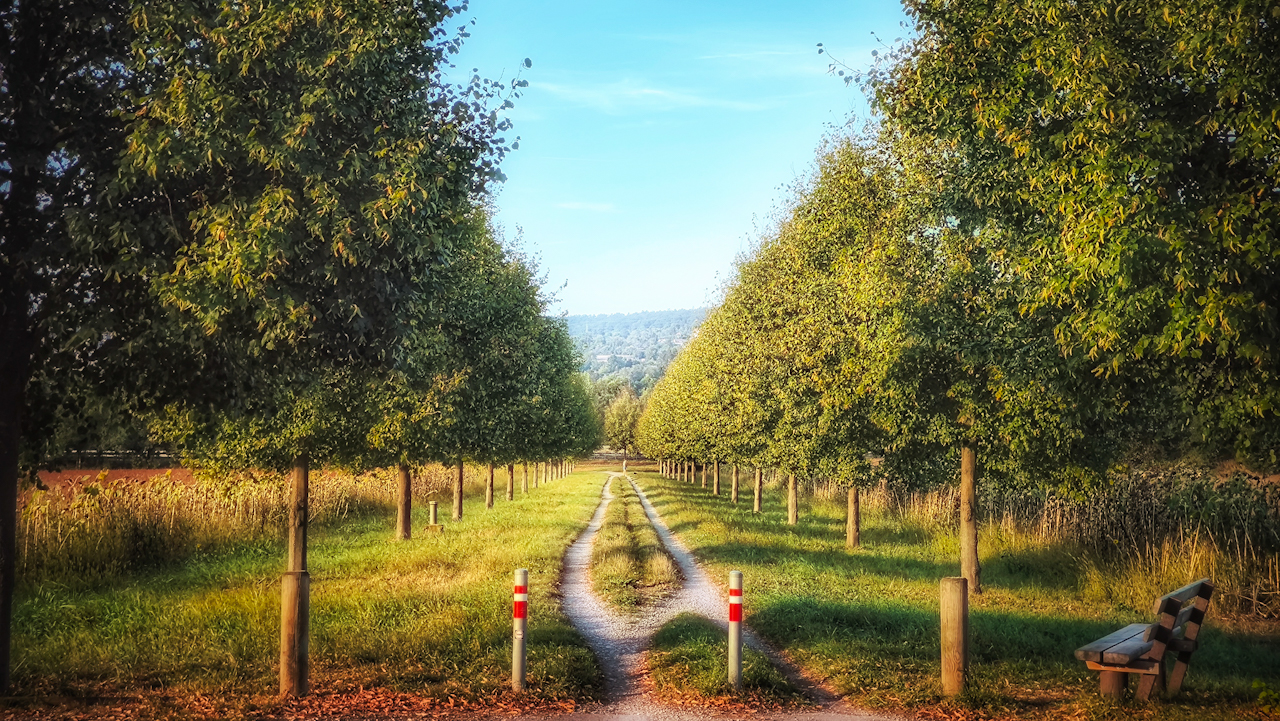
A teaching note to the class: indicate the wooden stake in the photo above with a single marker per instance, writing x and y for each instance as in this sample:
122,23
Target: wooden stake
404,509
955,634
758,505
511,482
488,489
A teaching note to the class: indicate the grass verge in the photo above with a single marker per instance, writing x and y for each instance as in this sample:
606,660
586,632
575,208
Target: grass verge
867,621
430,617
688,665
629,566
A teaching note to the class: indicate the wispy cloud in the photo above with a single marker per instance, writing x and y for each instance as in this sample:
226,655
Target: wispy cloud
629,96
593,207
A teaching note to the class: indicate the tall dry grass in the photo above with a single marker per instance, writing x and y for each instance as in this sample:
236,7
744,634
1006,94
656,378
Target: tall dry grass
98,529
1146,532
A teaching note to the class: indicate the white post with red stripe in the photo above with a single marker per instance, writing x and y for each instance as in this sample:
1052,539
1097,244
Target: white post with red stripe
735,629
519,623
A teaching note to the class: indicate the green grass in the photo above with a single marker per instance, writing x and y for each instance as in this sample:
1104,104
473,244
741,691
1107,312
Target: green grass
629,566
688,661
431,615
867,621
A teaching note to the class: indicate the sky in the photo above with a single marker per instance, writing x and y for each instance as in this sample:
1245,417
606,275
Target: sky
657,139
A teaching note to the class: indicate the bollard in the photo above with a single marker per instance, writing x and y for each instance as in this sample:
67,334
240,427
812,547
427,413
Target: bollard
295,632
435,526
955,634
519,623
735,629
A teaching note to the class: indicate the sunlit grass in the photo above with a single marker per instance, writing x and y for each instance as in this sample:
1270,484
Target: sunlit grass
689,659
629,566
867,621
431,615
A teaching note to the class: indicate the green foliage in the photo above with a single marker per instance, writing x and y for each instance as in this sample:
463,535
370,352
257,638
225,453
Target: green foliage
1126,155
632,348
620,421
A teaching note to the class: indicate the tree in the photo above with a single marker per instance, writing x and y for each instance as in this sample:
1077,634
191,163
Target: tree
620,422
1127,157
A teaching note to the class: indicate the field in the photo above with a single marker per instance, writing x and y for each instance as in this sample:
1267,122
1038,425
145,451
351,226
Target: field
199,633
866,621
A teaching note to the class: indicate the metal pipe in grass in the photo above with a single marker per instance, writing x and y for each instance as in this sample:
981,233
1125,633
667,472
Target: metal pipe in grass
519,624
735,629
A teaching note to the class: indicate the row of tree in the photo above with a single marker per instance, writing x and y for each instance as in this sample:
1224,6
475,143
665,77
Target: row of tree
261,229
1058,245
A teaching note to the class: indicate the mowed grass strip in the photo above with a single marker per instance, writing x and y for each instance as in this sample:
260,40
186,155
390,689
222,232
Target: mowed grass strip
867,623
688,663
430,616
629,566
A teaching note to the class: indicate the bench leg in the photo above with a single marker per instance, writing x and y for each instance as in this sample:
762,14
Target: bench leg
1113,683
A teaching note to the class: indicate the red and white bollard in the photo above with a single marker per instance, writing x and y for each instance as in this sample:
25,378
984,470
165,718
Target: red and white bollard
519,623
735,629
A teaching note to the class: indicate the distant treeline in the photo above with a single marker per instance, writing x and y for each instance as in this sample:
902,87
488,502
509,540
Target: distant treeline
635,347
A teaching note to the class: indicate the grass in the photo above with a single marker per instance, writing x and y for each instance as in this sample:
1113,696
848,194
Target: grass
430,616
629,566
688,663
867,621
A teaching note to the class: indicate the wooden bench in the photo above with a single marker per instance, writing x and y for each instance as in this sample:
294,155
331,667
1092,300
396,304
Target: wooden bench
1140,647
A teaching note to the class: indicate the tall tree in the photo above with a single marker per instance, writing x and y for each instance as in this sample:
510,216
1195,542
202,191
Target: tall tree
1128,156
620,421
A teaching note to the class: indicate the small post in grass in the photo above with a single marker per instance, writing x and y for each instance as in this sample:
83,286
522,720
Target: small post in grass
295,632
519,623
955,634
435,526
735,629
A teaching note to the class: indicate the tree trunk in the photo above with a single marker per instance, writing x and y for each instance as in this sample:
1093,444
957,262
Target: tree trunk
853,522
969,567
457,493
15,368
733,485
793,500
404,507
525,486
704,474
624,459
715,478
758,505
488,489
298,514
511,481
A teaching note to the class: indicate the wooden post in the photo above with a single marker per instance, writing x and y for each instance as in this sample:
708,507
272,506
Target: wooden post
715,478
969,566
488,489
1113,683
853,531
955,634
511,481
457,493
295,632
758,505
298,514
404,509
793,500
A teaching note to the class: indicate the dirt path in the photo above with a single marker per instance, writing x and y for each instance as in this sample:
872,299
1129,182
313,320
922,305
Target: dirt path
619,641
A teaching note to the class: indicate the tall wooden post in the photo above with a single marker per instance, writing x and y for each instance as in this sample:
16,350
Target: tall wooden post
404,508
853,530
511,481
758,505
969,566
793,500
955,634
457,493
295,589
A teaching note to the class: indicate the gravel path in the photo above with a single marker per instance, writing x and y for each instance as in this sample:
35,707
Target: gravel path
619,641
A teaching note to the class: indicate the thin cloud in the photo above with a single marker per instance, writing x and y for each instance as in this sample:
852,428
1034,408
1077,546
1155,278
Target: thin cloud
627,96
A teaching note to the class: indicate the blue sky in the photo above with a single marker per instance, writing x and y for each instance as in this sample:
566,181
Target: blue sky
658,137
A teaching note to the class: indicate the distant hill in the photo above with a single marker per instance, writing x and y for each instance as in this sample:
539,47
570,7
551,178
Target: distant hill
633,346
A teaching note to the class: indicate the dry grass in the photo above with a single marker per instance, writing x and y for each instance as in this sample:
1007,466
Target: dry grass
629,566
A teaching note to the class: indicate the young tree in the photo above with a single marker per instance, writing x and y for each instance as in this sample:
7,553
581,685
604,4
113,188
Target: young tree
620,422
